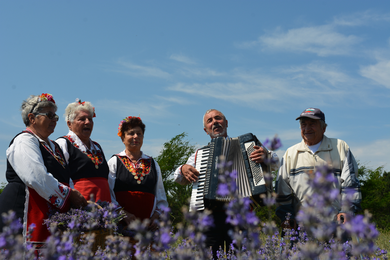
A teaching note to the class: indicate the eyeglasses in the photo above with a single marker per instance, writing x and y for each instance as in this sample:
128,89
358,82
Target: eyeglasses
49,115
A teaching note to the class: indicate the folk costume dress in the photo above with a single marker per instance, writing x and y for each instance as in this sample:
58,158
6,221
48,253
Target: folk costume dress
38,183
89,169
137,187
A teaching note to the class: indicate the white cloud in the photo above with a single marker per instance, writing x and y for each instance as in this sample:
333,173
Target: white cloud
379,72
200,72
326,74
182,58
321,40
361,18
238,92
149,109
135,70
374,154
326,83
177,100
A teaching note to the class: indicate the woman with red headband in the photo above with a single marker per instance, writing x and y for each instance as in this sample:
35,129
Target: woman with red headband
135,178
37,174
89,169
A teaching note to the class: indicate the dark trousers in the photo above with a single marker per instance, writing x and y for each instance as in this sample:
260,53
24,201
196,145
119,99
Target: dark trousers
217,235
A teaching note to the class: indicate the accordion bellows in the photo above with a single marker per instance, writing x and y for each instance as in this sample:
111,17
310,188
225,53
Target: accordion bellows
250,176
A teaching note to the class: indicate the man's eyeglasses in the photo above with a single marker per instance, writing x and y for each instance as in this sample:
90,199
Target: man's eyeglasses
49,115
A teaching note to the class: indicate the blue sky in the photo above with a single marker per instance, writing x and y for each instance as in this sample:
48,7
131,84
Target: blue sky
260,62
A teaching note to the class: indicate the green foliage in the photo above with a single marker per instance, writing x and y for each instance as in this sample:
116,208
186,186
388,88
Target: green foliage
175,153
267,214
2,186
376,195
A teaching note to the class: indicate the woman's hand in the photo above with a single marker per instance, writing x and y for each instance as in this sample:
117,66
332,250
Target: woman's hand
129,218
76,199
153,224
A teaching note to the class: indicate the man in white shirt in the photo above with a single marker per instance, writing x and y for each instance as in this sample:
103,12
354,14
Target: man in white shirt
301,160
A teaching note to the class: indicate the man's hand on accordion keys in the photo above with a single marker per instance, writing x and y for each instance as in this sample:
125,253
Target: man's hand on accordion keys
258,155
190,173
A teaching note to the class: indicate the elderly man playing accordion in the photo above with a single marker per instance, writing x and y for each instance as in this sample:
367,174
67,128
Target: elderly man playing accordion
215,125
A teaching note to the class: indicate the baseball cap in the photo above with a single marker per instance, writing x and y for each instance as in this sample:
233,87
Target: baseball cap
314,113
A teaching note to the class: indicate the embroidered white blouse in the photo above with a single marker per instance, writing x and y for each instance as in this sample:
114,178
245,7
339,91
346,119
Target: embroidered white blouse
26,159
64,147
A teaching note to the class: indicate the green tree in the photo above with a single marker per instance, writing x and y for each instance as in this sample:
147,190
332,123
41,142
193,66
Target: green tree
375,188
2,186
175,153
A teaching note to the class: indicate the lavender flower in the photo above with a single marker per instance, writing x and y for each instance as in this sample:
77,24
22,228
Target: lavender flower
317,237
273,144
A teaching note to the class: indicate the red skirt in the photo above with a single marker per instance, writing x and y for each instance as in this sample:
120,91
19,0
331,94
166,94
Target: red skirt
96,186
137,203
38,210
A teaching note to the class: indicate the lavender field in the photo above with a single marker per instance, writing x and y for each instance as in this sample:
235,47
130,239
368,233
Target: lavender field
254,238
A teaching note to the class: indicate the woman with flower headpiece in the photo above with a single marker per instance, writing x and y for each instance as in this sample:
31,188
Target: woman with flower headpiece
37,174
135,178
89,169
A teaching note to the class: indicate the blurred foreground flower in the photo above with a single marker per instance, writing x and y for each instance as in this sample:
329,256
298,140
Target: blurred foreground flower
273,144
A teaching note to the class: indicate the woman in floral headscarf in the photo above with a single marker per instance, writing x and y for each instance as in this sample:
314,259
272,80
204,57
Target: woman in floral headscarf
135,178
37,174
89,169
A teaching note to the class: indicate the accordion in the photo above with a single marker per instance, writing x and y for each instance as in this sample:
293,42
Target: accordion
250,176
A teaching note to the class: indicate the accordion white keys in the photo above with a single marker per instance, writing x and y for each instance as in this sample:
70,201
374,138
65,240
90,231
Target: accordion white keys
250,176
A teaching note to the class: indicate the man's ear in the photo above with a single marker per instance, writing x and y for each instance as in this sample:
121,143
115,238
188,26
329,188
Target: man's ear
205,130
226,123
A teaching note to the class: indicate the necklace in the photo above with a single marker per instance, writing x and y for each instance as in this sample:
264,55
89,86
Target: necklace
93,154
55,153
139,170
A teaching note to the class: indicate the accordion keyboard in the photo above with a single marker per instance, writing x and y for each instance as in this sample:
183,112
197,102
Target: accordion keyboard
197,200
257,171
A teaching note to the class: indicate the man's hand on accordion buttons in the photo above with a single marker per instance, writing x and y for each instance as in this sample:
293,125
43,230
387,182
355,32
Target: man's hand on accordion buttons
190,173
258,155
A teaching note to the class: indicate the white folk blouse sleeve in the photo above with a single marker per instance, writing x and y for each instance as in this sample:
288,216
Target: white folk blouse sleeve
112,177
178,177
26,159
161,197
64,147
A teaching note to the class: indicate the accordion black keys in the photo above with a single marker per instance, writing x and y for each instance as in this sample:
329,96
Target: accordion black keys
250,176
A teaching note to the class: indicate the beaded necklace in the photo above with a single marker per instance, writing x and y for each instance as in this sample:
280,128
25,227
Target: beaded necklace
139,169
94,154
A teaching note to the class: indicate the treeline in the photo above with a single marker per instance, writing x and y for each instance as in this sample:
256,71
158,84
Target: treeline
376,195
375,186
